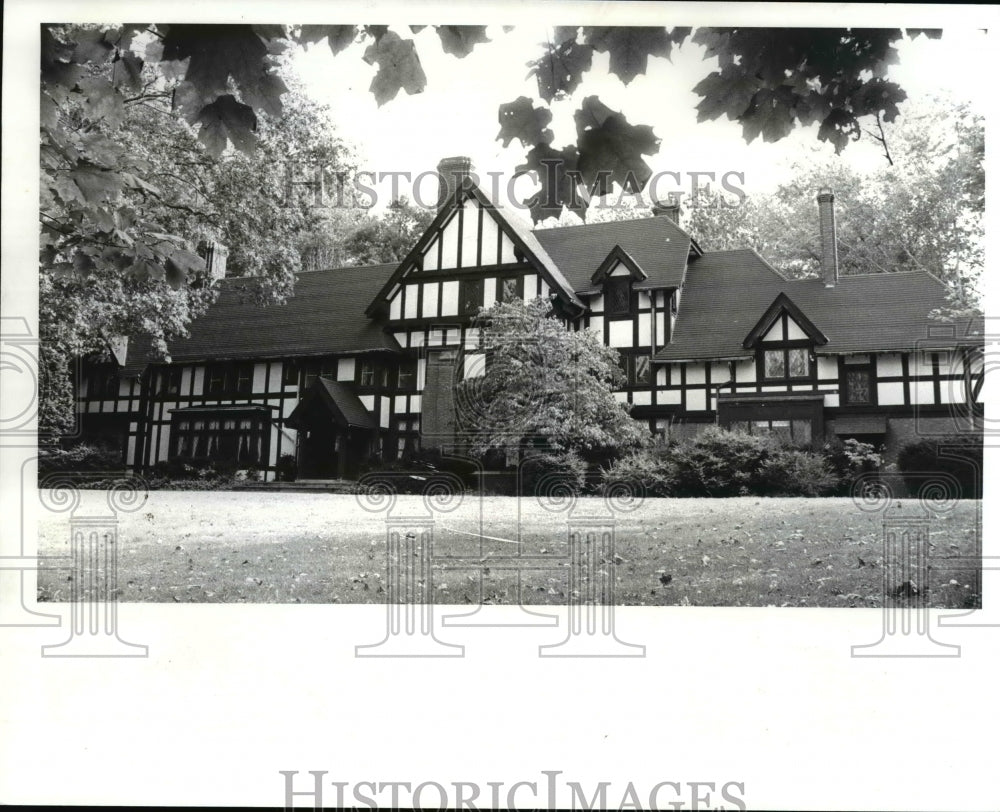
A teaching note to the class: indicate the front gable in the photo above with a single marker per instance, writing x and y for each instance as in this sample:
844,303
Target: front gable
783,321
470,233
618,262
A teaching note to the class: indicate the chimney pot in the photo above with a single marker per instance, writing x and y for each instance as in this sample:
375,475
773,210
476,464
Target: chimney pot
452,172
829,262
670,208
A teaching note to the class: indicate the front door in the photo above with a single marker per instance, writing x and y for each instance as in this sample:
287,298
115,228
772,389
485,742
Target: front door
319,450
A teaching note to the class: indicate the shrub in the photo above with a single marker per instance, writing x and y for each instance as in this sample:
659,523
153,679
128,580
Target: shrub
650,468
80,457
961,456
787,472
553,473
717,462
849,459
287,469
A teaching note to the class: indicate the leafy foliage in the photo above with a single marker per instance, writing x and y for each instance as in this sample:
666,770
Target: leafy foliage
717,462
127,200
959,457
544,387
553,475
922,212
387,237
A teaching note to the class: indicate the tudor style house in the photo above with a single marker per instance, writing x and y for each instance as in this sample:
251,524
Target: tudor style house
363,361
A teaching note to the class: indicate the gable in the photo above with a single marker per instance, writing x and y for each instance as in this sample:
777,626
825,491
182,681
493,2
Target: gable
470,232
470,237
618,263
783,321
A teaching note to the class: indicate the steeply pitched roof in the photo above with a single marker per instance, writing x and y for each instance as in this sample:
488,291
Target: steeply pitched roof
727,292
343,405
657,244
326,315
517,230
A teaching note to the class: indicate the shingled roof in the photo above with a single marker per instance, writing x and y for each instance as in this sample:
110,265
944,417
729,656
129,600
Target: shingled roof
325,316
657,244
727,292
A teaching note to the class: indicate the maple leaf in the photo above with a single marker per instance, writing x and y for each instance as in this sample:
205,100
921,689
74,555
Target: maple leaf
838,128
101,101
127,72
560,69
227,119
338,36
555,170
592,113
96,184
629,47
770,115
459,40
398,67
520,119
216,53
92,45
613,152
728,92
878,96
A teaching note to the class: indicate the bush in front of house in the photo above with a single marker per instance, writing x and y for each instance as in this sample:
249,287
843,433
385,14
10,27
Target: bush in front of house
849,460
718,462
791,472
650,468
960,456
78,458
553,474
287,469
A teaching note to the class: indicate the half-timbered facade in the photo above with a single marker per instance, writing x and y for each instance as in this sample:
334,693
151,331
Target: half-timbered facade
362,362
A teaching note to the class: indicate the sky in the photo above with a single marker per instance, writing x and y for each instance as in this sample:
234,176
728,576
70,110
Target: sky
457,113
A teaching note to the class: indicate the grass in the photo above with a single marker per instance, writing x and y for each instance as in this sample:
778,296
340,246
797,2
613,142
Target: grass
318,548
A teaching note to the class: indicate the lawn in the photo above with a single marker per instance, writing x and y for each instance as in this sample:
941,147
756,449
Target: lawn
254,547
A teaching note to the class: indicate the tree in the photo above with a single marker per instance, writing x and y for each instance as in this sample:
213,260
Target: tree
544,387
119,248
390,236
922,211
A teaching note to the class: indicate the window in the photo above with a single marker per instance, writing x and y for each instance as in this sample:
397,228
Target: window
408,436
793,432
617,295
407,375
326,368
228,379
858,386
102,382
470,296
786,362
635,367
239,437
289,374
170,381
509,289
367,374
641,369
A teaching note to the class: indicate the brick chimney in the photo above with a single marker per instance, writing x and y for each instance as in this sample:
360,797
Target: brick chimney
451,172
670,208
827,238
215,255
